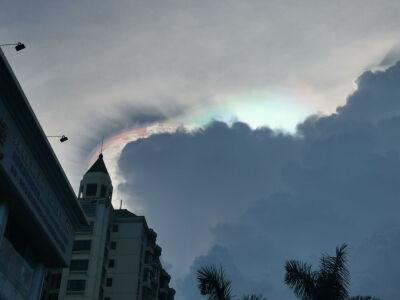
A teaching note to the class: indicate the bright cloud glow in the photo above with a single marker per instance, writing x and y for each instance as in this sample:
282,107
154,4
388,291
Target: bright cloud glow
278,108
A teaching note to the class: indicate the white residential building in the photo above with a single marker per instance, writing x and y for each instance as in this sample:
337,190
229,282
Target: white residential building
115,257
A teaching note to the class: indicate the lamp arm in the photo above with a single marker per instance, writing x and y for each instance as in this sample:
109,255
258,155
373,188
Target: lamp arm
13,44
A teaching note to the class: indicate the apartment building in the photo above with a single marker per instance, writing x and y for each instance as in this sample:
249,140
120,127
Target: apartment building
39,212
115,257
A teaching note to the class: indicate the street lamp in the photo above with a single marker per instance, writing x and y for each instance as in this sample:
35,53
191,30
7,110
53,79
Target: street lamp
18,46
63,138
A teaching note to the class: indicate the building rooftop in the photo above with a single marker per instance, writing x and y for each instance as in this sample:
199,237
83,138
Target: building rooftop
98,166
123,213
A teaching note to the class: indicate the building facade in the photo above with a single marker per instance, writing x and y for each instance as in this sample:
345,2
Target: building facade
39,212
115,257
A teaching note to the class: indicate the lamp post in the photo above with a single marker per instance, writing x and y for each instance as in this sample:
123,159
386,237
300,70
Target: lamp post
63,138
18,46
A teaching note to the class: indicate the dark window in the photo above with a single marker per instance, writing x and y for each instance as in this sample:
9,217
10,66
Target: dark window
53,297
80,191
107,298
79,265
82,245
115,228
148,258
55,281
103,190
109,282
113,245
76,285
91,189
111,263
85,229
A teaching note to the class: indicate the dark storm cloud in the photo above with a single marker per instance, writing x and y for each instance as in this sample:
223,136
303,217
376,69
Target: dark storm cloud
264,197
220,257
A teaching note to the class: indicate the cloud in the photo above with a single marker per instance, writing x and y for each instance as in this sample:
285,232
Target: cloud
101,126
252,199
84,59
205,178
220,257
391,57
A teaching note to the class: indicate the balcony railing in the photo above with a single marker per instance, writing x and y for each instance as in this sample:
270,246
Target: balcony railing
89,209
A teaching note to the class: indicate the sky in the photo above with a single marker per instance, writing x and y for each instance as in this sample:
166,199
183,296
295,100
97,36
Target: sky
247,132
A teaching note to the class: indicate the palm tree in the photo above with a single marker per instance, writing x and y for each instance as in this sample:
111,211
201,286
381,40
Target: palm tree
253,297
363,298
331,282
212,283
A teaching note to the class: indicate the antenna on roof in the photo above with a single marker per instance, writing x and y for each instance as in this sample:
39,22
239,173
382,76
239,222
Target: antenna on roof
120,205
101,149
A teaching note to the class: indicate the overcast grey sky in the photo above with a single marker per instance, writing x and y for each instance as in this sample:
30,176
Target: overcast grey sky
98,68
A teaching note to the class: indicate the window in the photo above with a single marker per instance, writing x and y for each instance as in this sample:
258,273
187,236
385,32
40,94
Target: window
79,264
147,275
80,191
111,263
115,228
81,245
107,298
76,285
86,229
109,282
91,189
148,258
103,190
55,281
113,245
53,297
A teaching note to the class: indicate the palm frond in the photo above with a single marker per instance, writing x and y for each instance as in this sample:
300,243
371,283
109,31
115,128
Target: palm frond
212,283
301,279
254,297
364,298
334,278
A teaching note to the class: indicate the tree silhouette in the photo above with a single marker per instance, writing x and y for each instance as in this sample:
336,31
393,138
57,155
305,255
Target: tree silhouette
253,297
212,283
363,298
331,282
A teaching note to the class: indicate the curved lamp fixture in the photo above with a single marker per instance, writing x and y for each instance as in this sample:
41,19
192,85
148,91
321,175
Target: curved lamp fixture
63,138
18,46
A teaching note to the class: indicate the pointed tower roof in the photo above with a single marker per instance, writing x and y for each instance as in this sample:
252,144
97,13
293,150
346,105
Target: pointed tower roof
98,166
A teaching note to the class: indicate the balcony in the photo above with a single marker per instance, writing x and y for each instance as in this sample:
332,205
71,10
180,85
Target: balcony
89,209
85,229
